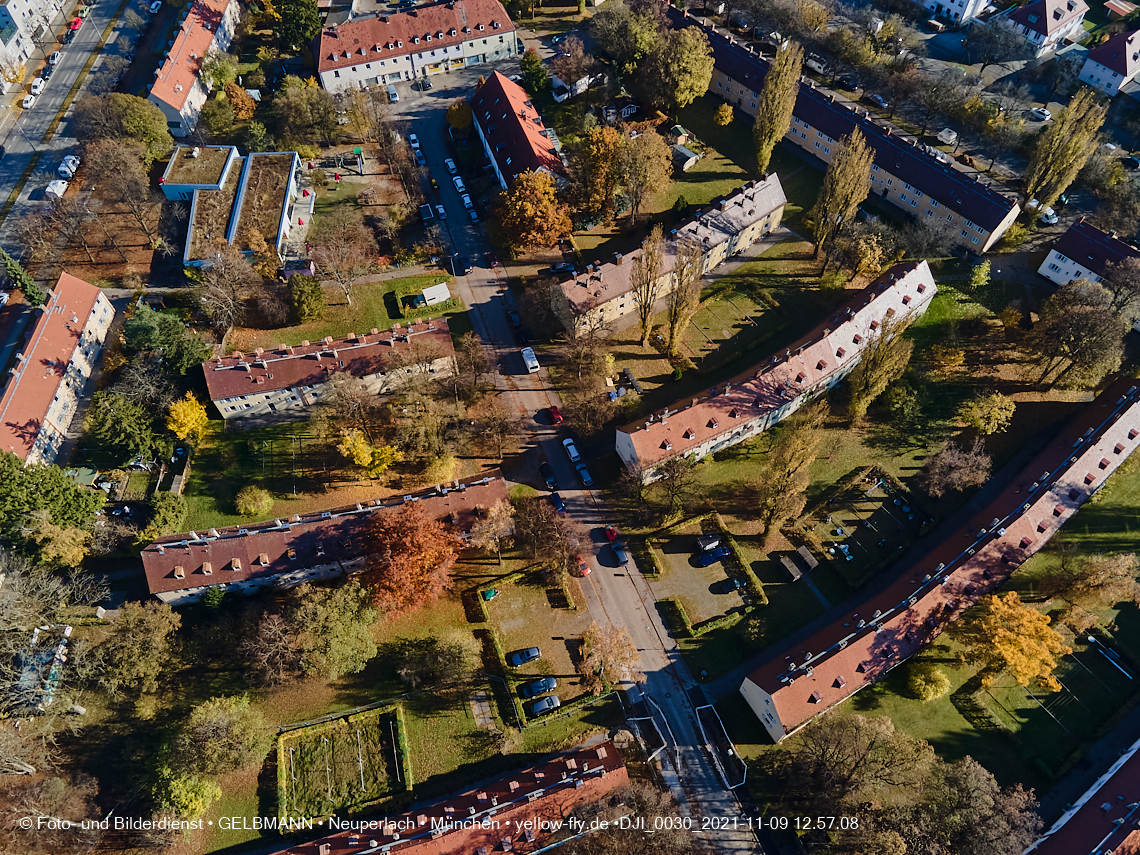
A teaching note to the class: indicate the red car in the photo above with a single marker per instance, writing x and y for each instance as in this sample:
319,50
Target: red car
489,257
555,416
611,533
583,567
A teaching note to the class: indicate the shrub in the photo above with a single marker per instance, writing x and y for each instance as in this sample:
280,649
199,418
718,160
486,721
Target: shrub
253,501
926,682
167,516
1015,236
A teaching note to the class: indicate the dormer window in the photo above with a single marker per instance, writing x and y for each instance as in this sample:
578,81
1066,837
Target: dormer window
427,38
841,353
452,32
857,339
801,377
819,366
479,27
495,25
714,424
415,40
690,433
1033,19
733,414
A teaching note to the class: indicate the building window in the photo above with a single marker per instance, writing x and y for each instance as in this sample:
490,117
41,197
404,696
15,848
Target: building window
336,74
933,203
1054,268
903,196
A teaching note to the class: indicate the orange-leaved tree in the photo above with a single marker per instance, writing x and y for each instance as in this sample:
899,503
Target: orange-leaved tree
412,559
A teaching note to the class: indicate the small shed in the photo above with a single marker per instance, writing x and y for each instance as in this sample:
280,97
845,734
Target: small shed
679,135
807,558
790,567
684,158
436,294
1119,8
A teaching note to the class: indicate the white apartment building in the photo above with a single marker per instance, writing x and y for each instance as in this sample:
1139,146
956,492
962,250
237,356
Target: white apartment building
1114,65
958,11
1046,24
42,392
23,23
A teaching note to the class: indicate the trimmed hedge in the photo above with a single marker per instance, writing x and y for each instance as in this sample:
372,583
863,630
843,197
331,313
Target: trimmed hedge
645,556
755,586
679,616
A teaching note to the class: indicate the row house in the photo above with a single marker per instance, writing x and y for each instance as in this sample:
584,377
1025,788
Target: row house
290,378
602,295
1113,66
1046,24
754,401
42,393
179,90
314,547
512,133
790,688
904,174
388,47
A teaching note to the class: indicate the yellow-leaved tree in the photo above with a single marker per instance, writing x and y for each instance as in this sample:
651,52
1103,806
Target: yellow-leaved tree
374,459
187,418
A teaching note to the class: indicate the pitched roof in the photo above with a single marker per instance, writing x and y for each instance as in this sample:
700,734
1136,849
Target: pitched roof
390,34
829,349
819,672
726,217
512,127
1093,249
301,541
957,190
309,363
1122,8
32,384
1048,16
179,71
1121,53
517,812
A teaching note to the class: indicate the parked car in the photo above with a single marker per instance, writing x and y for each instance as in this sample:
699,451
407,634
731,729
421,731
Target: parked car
559,505
83,10
878,100
28,102
55,57
491,259
571,450
713,556
584,474
466,199
48,71
547,473
521,657
474,215
413,141
516,321
1132,162
1049,217
555,416
458,182
420,159
1041,113
560,267
450,164
426,85
155,6
611,533
55,189
621,552
441,212
539,687
583,566
68,166
559,38
463,264
68,37
545,705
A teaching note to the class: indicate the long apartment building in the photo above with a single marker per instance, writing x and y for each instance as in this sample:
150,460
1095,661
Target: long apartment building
794,686
387,47
315,547
513,135
293,377
904,174
602,295
42,391
205,27
754,401
523,812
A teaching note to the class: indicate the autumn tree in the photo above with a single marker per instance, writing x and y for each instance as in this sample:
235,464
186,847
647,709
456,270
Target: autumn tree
1060,152
136,651
412,557
241,101
344,248
125,118
845,186
306,298
495,526
598,171
332,628
625,35
926,681
608,656
684,297
646,280
679,70
1088,584
373,459
1122,279
988,414
956,468
227,284
217,69
1003,634
724,115
531,213
647,169
777,100
221,735
572,62
884,359
63,546
980,276
186,418
459,114
1079,333
781,493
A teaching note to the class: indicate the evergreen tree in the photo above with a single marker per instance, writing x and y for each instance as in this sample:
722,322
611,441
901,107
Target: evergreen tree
777,99
20,278
300,22
306,298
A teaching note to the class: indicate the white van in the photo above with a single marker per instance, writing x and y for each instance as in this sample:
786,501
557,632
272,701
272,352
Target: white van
393,95
529,360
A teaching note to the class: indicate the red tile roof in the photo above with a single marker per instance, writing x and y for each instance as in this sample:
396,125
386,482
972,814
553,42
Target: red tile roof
1120,7
310,364
892,625
513,128
518,812
1121,53
1048,16
807,365
179,71
436,26
1093,249
302,541
33,383
1104,819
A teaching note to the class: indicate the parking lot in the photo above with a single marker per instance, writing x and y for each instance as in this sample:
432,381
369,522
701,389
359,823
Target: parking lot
706,592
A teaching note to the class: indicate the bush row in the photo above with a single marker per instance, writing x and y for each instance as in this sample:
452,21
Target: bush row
678,616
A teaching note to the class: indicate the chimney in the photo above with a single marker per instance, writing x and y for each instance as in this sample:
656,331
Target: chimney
617,258
723,204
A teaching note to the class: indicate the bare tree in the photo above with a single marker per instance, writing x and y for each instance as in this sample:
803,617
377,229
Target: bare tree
495,422
495,527
273,651
117,166
226,285
646,279
957,468
343,248
685,297
609,656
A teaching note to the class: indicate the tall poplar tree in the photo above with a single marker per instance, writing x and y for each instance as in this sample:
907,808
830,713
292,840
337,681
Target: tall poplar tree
685,297
845,186
777,99
646,276
1061,152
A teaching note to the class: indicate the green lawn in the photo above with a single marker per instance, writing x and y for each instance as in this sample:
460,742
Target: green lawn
373,307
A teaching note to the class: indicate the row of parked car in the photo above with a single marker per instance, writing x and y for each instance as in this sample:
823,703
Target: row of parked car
541,686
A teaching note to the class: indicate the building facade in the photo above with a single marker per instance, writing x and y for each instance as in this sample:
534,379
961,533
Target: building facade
1114,65
1084,252
22,23
512,133
1046,24
751,403
904,174
178,89
956,11
292,378
390,47
285,553
42,392
792,687
602,295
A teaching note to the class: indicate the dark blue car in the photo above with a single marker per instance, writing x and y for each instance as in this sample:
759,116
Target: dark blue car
559,505
713,556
